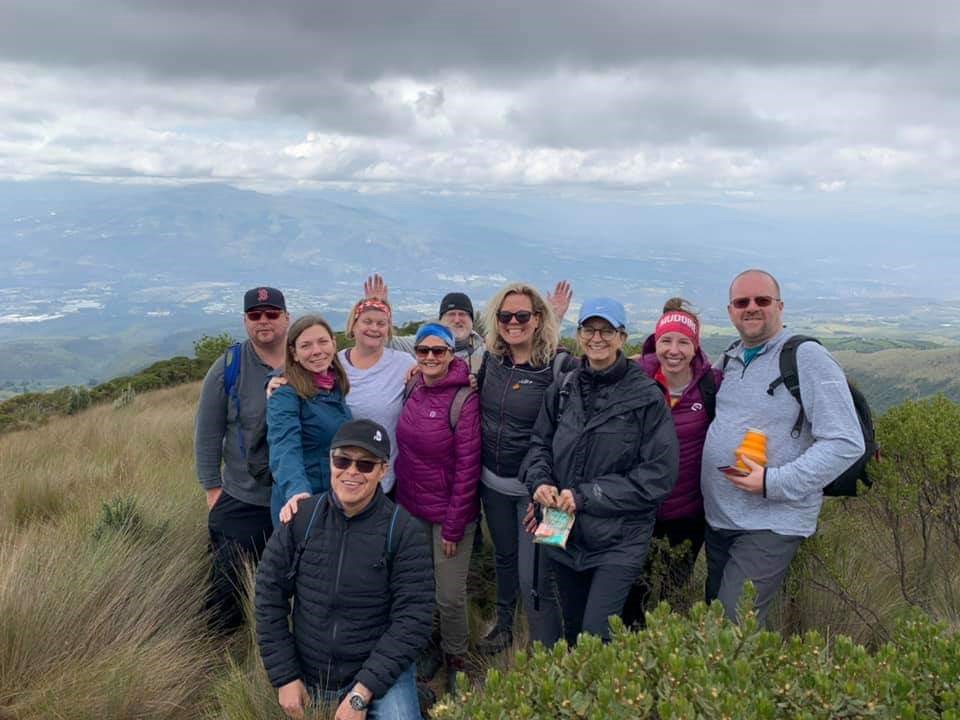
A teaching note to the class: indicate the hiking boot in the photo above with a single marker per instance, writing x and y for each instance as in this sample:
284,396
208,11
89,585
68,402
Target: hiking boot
426,697
429,662
499,638
455,664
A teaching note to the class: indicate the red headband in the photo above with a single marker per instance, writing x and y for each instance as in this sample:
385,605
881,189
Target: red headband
679,322
371,305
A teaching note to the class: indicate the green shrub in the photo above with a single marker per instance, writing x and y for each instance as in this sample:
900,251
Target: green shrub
701,666
208,348
123,516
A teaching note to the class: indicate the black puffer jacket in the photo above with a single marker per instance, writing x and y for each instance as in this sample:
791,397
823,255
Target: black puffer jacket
510,400
615,446
358,614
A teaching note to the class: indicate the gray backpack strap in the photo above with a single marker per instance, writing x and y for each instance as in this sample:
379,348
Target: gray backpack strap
558,361
456,407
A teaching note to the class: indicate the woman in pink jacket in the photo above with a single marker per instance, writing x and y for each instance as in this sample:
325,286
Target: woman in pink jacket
438,471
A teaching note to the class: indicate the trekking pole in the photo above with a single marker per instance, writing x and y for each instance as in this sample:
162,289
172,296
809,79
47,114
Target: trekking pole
535,590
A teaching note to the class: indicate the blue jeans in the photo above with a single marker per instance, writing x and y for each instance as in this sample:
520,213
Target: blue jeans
399,703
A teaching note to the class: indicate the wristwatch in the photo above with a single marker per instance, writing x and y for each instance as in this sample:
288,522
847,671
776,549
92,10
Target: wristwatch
357,702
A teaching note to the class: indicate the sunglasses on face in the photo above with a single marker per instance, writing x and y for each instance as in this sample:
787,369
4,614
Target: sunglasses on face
742,303
521,316
255,315
435,350
587,332
342,462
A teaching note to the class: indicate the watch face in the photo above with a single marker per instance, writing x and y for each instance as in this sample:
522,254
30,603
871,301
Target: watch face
357,703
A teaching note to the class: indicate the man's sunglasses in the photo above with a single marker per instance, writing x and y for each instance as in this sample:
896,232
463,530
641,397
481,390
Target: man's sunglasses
742,303
255,315
435,350
342,462
522,317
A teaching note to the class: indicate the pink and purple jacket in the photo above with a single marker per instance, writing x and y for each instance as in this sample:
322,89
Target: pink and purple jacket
691,421
438,470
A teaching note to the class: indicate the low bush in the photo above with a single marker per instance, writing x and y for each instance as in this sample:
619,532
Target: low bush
701,666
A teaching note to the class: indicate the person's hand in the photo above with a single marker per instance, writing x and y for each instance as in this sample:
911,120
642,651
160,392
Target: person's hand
276,382
546,495
473,382
567,502
530,519
213,494
559,299
290,509
345,712
449,548
293,698
375,288
751,483
411,373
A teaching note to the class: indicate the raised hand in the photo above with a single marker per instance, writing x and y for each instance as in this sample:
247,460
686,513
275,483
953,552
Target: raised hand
375,288
559,299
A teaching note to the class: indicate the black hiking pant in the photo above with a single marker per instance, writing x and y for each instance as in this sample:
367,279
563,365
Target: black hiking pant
238,533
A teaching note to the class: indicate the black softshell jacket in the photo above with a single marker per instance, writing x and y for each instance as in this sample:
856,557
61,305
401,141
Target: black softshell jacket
615,446
358,615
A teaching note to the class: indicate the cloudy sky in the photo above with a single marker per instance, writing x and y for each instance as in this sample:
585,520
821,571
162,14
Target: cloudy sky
794,102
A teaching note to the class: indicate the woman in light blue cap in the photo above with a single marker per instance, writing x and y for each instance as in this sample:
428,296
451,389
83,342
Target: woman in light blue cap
603,449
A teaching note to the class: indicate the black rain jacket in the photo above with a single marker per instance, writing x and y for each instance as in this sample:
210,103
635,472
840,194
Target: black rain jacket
615,446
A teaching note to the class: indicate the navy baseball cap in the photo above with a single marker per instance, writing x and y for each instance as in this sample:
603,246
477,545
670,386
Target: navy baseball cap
264,297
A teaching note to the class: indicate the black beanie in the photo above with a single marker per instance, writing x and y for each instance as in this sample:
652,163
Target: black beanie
455,301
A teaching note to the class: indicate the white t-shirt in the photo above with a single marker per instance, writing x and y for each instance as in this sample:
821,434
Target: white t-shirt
377,394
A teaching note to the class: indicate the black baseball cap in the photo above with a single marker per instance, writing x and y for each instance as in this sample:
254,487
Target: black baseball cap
264,297
365,434
455,301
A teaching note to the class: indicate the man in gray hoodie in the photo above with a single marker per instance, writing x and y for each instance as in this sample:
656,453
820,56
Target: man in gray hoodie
755,522
232,406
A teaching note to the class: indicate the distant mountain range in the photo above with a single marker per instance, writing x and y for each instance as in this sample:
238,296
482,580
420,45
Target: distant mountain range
96,278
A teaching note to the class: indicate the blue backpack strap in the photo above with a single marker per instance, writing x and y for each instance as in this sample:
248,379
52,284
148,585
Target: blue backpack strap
302,543
391,550
231,377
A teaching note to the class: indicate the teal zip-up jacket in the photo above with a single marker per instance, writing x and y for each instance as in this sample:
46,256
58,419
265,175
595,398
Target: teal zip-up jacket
798,468
299,433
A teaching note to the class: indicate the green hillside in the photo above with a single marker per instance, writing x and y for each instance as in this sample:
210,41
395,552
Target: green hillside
888,377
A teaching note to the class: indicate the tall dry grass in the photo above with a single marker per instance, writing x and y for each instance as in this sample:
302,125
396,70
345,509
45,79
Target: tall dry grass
108,626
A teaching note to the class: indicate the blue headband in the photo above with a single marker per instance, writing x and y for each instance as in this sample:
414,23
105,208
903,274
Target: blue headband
437,330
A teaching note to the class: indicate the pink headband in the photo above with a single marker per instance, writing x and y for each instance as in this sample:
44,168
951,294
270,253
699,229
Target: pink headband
679,322
371,305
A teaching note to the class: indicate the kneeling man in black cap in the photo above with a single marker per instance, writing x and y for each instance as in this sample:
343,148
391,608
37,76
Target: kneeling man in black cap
360,570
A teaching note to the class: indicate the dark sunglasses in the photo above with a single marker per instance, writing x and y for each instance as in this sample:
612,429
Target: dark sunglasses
342,462
522,317
254,315
435,350
742,303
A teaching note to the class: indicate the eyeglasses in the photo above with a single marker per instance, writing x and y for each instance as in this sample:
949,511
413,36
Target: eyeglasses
342,462
435,350
742,303
522,317
587,332
255,315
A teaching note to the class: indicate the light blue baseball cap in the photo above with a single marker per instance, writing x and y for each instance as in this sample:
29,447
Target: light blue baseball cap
603,307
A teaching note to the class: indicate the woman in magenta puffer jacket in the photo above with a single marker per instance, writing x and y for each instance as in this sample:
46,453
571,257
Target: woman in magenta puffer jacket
438,473
673,357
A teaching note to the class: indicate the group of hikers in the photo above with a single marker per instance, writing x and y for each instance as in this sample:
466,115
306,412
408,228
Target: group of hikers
380,457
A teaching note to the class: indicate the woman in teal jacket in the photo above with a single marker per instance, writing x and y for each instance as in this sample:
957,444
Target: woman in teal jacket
305,414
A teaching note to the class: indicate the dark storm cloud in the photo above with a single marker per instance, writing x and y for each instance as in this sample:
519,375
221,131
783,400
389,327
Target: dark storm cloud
255,40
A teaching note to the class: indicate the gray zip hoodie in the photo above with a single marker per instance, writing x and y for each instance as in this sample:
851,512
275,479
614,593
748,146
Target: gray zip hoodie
797,468
218,422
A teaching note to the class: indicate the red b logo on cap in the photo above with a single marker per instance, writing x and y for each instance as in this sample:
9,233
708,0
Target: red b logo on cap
263,295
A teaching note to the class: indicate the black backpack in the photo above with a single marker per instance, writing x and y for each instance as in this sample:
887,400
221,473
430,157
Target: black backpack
846,484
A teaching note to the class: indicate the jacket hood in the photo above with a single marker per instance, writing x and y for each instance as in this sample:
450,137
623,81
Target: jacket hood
650,363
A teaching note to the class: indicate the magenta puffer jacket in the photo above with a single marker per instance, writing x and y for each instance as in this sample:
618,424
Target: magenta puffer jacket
691,421
438,470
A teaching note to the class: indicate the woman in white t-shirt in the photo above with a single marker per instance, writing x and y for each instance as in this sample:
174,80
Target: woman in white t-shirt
377,374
